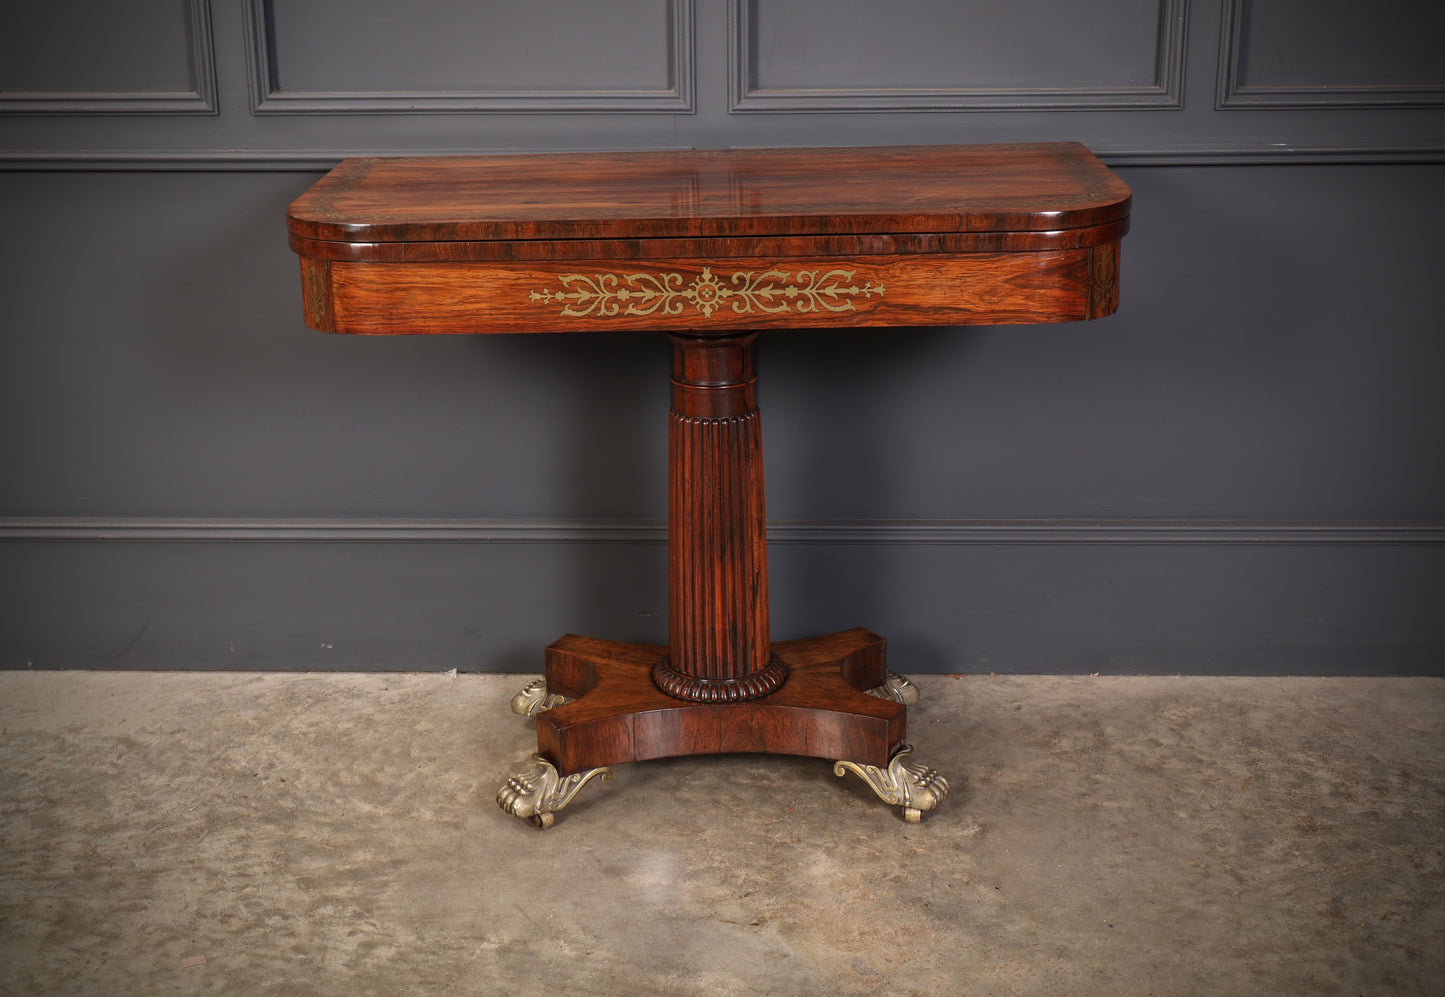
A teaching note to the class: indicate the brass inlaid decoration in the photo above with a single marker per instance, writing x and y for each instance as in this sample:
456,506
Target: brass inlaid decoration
770,292
313,287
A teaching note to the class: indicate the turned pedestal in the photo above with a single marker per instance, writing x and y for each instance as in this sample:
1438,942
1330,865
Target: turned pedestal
720,684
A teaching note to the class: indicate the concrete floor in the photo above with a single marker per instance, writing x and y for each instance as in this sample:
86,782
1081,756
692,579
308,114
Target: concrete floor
336,834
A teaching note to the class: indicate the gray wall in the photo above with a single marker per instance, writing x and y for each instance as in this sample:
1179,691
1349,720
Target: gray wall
1241,471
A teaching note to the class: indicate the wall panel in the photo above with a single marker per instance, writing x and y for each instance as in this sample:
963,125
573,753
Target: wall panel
303,84
1331,54
359,56
100,57
854,55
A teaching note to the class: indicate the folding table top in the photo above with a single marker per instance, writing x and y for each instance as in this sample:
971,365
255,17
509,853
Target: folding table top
742,192
679,240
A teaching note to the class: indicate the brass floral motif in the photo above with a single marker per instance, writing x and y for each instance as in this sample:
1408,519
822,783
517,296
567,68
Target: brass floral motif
770,292
313,287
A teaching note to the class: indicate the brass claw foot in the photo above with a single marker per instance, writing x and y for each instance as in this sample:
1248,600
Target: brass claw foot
538,791
910,785
897,688
535,698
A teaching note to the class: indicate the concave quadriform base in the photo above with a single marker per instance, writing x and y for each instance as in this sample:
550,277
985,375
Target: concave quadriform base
837,703
781,727
618,715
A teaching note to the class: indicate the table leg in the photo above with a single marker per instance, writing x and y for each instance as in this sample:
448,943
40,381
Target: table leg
717,582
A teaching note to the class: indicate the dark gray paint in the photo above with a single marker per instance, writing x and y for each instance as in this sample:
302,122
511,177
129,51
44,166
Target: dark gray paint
1210,608
1390,43
858,44
714,101
375,45
449,55
99,57
810,55
70,47
178,448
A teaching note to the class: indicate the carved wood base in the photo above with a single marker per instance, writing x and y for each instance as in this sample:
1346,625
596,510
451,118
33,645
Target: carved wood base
618,715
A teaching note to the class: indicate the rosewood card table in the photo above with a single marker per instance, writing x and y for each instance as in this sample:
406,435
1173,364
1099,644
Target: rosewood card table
711,248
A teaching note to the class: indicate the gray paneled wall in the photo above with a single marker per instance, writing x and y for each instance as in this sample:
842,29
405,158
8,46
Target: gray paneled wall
1332,53
546,55
1240,471
849,55
99,57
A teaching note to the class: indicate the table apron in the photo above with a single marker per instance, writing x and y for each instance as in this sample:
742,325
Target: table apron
702,296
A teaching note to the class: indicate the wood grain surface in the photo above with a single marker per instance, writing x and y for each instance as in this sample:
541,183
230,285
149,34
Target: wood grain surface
619,715
701,296
726,193
711,242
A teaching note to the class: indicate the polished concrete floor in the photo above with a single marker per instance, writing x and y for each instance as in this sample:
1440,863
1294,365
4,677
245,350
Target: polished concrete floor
336,834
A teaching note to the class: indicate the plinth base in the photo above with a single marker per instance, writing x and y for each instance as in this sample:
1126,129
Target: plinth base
598,706
618,715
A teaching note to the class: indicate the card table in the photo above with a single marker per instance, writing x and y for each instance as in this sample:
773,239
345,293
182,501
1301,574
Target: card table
712,248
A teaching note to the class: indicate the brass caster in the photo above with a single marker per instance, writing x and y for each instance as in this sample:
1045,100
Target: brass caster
535,698
897,688
537,792
913,786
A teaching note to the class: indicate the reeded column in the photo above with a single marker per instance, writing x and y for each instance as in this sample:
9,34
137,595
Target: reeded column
718,644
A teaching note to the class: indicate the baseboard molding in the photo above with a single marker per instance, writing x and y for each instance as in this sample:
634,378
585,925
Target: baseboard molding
1069,596
559,531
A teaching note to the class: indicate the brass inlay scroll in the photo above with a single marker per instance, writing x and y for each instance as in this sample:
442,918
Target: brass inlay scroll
770,292
316,294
